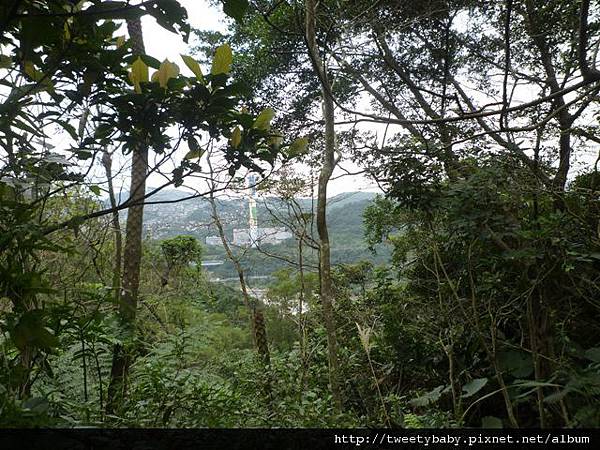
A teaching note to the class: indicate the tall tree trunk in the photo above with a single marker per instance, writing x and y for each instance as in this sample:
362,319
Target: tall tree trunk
132,251
329,163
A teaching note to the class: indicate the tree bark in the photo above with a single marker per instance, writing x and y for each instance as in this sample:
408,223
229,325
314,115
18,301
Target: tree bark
329,162
132,254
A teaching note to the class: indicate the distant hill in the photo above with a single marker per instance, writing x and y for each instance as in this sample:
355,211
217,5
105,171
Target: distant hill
193,217
347,198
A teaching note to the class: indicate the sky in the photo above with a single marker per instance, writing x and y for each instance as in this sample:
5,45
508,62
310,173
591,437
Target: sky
162,44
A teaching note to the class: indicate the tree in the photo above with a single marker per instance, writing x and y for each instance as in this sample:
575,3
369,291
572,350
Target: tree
60,58
180,252
259,331
328,164
132,252
417,65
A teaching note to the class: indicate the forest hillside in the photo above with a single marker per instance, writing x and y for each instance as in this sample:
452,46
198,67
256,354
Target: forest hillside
308,214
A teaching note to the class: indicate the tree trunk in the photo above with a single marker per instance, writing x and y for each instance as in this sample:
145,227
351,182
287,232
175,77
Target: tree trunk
326,171
132,251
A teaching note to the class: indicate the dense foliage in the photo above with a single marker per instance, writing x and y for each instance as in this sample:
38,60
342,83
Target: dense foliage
479,306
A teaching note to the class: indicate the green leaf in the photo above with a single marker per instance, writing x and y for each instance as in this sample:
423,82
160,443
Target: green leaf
517,363
114,10
68,128
194,67
166,71
298,147
193,144
263,121
430,397
474,386
34,74
5,62
138,74
36,404
222,60
30,331
83,154
150,61
103,130
533,384
557,396
193,154
236,137
235,9
67,32
95,189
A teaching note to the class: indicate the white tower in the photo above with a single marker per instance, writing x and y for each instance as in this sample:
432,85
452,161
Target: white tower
253,218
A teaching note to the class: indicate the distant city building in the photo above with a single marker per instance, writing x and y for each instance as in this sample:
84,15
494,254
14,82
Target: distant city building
274,235
256,236
213,240
242,236
253,235
253,231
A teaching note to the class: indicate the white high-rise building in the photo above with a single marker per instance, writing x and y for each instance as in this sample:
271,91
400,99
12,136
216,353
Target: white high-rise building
254,235
252,214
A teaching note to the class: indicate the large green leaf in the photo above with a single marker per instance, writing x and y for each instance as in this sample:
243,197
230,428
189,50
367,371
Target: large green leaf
517,363
194,67
5,62
298,147
36,404
429,397
150,61
31,332
138,74
474,386
263,121
222,61
114,10
236,137
194,154
526,387
166,71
